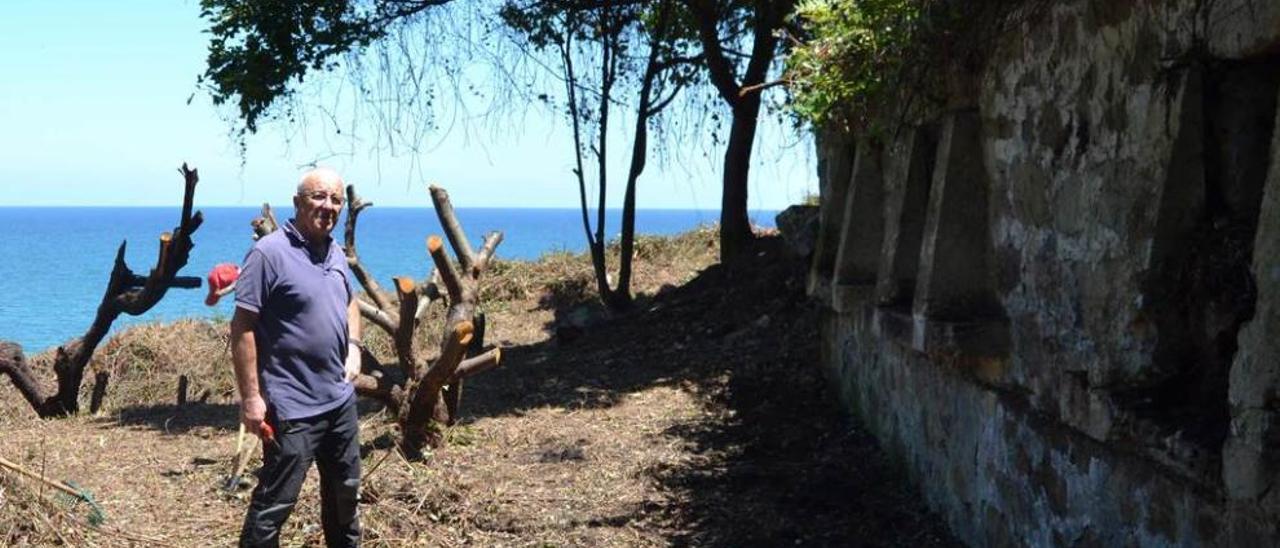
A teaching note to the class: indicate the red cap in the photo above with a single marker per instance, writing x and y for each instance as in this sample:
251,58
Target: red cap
222,279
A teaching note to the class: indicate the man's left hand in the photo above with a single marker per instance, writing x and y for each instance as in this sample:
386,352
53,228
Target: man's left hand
352,366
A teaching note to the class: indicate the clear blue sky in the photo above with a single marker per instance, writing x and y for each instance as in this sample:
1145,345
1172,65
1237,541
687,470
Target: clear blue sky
94,104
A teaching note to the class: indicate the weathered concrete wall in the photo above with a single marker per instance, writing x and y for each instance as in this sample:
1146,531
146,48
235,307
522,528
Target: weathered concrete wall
1071,332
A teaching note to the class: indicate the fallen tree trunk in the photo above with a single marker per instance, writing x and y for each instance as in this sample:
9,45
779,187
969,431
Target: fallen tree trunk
126,293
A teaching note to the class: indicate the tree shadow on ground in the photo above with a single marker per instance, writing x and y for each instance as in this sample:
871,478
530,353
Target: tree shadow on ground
181,419
176,419
777,462
664,339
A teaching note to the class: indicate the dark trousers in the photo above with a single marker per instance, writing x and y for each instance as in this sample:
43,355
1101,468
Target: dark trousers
332,441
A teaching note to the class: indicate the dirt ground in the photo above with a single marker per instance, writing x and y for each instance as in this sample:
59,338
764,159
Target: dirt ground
700,418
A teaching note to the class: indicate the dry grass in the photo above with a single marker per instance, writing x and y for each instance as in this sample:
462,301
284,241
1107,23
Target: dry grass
697,419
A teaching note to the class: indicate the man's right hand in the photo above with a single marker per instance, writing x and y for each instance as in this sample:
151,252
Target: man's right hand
253,411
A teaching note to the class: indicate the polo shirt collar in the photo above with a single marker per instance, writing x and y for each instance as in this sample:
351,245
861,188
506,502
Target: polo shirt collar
295,236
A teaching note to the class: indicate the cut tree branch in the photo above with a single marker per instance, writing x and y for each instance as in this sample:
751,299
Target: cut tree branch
491,241
404,334
479,364
413,390
379,317
452,229
417,426
14,364
444,267
354,206
265,223
379,382
455,348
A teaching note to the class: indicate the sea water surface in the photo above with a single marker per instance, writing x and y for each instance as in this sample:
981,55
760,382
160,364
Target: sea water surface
55,261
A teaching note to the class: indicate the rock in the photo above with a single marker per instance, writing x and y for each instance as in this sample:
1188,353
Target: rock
799,227
574,323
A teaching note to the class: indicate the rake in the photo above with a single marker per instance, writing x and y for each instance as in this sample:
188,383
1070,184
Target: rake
70,493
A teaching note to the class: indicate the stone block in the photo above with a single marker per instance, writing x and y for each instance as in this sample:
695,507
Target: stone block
1249,466
863,222
848,298
1251,455
818,287
833,183
955,281
907,199
1243,28
798,225
985,338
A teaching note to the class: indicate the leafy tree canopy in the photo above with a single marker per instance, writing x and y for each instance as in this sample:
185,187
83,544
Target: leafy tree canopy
260,50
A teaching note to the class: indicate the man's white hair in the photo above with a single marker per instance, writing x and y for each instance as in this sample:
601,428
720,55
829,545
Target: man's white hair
318,175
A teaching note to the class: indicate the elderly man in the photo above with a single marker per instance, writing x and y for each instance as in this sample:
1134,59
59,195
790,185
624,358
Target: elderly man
294,338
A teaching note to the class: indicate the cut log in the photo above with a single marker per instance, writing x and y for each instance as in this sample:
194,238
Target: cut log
479,364
487,250
404,334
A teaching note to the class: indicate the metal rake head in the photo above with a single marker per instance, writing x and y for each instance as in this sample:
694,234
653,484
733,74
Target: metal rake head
97,516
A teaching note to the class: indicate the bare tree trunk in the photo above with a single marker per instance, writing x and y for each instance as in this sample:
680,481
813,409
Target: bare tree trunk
595,238
453,392
617,297
744,99
620,298
426,397
735,226
126,293
100,381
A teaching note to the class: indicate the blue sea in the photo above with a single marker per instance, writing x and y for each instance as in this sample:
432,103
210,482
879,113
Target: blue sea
55,262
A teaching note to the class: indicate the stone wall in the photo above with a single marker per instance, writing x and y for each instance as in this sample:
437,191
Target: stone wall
1058,300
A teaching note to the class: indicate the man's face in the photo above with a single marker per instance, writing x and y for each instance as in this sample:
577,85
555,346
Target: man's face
317,207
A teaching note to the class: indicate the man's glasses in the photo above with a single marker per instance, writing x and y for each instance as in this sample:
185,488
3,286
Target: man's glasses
320,196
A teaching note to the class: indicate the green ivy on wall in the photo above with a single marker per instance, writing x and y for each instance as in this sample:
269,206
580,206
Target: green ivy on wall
851,50
857,64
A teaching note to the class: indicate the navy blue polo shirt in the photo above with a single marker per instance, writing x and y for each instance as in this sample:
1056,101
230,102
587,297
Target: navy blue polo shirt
301,335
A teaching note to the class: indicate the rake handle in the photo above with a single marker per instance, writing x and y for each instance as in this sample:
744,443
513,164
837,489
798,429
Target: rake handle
52,483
